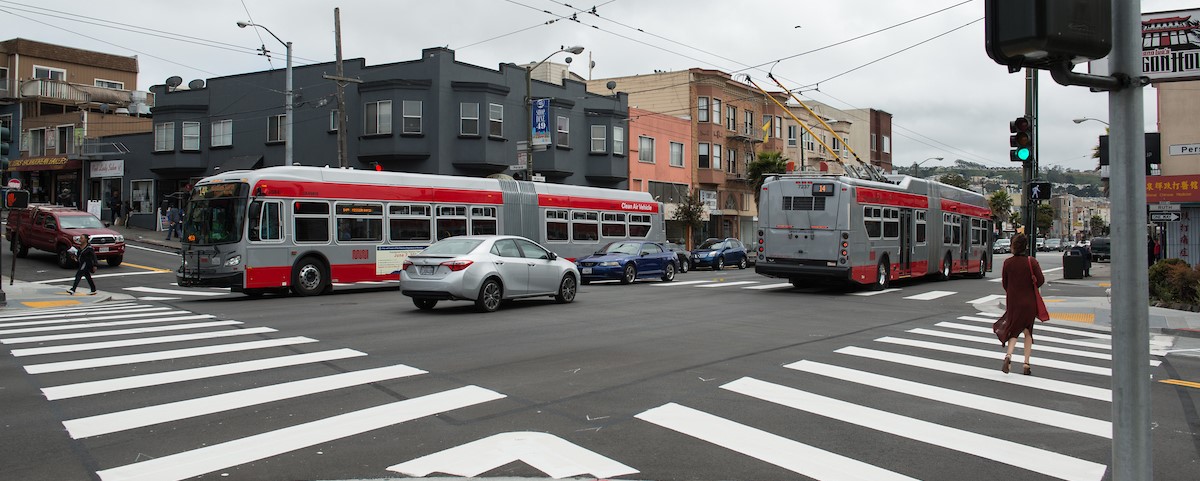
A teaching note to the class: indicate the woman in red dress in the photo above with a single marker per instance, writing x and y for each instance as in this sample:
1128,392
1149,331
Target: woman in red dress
1021,276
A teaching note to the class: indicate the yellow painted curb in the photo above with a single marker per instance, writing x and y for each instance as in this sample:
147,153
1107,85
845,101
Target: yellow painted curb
40,304
1177,382
1074,317
152,269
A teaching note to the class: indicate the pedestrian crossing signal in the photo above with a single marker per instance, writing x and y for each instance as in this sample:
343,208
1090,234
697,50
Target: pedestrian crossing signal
16,199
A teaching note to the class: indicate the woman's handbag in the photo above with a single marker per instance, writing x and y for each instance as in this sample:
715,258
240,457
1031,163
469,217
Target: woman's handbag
1042,314
1000,327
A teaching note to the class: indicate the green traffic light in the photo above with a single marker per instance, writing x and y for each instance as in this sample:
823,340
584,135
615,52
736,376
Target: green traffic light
1023,154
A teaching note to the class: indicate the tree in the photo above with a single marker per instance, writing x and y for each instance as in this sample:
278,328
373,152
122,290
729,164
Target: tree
1097,226
955,180
691,213
1045,219
767,164
1014,218
1001,204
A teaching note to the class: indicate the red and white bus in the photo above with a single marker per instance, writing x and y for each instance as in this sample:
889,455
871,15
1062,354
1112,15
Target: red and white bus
870,232
308,228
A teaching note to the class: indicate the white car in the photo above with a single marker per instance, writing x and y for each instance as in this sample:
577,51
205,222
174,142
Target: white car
486,269
1001,246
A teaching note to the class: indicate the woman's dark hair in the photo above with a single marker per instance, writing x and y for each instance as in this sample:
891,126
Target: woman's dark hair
1020,245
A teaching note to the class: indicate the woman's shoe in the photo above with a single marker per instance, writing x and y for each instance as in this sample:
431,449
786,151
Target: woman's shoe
1007,361
1027,371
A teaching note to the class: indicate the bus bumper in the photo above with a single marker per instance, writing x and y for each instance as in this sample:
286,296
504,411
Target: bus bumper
232,280
798,271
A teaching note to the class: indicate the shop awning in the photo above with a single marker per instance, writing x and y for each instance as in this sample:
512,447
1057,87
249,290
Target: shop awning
44,163
241,162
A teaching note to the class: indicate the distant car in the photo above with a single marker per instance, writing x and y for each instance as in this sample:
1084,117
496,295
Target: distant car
1054,245
486,269
1041,244
1101,249
684,256
628,261
718,253
1002,246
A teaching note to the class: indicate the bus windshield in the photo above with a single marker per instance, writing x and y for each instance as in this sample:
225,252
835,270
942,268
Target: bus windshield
215,214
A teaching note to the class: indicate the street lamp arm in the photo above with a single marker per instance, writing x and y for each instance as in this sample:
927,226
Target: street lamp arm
248,24
1085,119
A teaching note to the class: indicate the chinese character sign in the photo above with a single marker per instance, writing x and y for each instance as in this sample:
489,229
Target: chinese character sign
541,122
1172,188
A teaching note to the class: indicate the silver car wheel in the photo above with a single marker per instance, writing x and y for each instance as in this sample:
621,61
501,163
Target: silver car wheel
489,296
566,290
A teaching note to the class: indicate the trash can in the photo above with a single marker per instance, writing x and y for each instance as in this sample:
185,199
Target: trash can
1073,265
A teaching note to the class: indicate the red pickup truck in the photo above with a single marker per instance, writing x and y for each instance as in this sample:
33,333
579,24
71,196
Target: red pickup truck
57,229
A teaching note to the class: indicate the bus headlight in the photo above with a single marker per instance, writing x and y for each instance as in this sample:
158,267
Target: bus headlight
233,261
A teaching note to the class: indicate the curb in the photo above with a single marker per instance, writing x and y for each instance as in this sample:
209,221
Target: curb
1180,332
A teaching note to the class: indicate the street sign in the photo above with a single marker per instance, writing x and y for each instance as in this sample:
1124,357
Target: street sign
1164,216
1164,207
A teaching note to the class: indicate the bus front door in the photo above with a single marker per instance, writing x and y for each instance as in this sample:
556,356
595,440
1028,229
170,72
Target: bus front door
906,240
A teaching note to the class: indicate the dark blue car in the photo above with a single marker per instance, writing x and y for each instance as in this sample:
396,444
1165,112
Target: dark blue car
718,253
627,261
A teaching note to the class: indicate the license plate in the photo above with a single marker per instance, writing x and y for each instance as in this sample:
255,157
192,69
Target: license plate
587,270
102,249
426,270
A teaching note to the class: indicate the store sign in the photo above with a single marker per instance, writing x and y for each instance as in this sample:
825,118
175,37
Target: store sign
107,168
1170,47
1172,188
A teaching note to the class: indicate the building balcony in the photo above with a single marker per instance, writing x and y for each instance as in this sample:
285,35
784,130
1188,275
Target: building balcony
710,176
75,94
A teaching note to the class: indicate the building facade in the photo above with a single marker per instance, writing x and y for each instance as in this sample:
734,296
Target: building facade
660,163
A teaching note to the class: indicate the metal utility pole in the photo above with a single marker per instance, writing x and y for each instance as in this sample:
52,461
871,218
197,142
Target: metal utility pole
340,78
1029,169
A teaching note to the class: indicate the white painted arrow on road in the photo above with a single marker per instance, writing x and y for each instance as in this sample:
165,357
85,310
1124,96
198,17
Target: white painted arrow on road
548,453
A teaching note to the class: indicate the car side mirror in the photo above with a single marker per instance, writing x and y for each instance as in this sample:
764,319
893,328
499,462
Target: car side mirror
553,256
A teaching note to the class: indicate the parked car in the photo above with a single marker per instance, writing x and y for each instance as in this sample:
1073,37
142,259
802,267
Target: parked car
486,269
629,261
57,229
1002,246
718,253
1041,244
1101,249
684,256
1054,245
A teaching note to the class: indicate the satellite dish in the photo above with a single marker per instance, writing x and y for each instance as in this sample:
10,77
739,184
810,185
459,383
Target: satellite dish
104,108
612,84
569,60
196,84
174,81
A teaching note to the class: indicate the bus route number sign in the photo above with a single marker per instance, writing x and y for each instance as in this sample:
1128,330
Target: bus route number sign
823,190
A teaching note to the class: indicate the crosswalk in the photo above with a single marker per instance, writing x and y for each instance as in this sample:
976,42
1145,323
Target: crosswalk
81,340
1070,383
174,292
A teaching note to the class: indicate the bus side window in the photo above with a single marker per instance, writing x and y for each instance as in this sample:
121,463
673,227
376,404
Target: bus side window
271,222
255,216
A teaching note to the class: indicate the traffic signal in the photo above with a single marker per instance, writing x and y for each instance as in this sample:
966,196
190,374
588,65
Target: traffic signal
16,199
1021,140
5,146
1046,34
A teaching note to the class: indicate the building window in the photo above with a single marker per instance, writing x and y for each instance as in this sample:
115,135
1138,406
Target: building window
702,109
668,192
3,78
703,160
412,117
37,142
676,154
222,133
599,138
874,143
887,144
191,136
276,128
778,127
716,116
716,156
646,150
496,120
378,117
49,73
731,118
748,123
809,142
333,120
731,159
766,126
619,140
564,132
66,140
468,118
109,84
791,138
164,137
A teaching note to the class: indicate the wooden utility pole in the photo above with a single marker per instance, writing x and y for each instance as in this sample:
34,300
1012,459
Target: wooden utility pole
341,80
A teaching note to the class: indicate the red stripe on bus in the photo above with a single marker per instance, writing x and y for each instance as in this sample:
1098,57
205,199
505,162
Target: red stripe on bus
573,202
867,195
327,190
280,276
968,209
268,277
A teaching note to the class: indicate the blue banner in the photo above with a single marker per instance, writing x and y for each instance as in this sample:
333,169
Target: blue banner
541,122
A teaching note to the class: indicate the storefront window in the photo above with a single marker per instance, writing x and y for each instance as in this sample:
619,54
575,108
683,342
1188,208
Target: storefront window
143,196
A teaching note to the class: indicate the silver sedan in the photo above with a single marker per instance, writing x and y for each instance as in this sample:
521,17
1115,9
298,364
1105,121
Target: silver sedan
486,269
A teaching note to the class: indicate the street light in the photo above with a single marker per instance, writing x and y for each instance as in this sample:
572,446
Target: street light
576,50
1085,119
917,165
287,108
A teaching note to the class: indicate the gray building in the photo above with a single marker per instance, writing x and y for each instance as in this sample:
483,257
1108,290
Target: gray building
433,115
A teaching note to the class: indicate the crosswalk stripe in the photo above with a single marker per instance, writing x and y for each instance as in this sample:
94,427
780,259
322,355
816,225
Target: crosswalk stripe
138,342
90,388
150,415
988,298
9,321
794,456
64,310
931,295
1002,407
159,298
874,293
252,448
1099,394
997,355
83,324
162,355
679,283
1039,337
155,290
121,332
1044,327
770,286
729,284
1019,455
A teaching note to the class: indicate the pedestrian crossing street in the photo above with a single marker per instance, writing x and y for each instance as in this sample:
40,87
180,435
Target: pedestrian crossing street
1072,378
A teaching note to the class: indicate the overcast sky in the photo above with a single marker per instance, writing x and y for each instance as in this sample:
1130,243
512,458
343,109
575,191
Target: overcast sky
928,68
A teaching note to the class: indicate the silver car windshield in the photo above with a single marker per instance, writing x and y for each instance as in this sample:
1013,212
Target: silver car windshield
452,247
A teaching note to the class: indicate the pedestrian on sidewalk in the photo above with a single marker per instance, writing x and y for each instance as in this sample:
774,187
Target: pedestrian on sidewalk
114,205
174,222
87,265
1020,276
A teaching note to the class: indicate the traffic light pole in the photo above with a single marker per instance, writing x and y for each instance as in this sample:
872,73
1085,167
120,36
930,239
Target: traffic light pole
1029,167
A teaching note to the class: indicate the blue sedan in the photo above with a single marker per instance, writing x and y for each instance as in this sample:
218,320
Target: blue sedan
627,261
718,253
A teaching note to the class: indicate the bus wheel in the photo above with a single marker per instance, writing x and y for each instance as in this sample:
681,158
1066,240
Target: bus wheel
946,264
489,296
424,304
629,275
566,289
309,277
982,267
882,275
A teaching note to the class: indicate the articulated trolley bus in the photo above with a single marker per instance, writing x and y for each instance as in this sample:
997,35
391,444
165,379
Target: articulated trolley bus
306,228
870,232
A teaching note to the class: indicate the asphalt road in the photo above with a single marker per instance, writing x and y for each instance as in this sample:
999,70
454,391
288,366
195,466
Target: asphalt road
716,376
